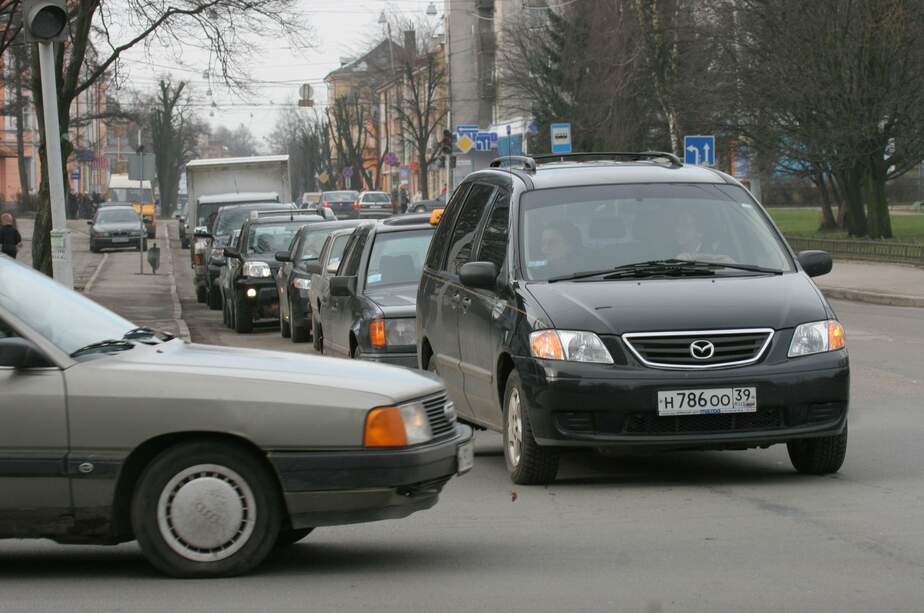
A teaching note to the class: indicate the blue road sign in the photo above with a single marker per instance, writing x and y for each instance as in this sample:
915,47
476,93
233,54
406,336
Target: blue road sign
561,137
75,174
699,150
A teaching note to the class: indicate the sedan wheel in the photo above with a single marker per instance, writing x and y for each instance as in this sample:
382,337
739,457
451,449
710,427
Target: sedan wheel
527,462
206,510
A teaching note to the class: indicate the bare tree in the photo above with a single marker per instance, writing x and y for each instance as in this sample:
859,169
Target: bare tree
17,73
348,126
101,31
300,135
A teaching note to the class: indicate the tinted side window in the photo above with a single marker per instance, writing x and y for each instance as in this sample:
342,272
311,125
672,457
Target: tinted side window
463,234
352,254
494,237
435,256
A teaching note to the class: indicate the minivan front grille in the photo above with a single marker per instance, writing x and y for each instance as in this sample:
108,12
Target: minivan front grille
706,349
436,415
652,423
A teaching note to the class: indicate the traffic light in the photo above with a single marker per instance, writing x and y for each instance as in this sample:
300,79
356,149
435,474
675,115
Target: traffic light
44,21
446,143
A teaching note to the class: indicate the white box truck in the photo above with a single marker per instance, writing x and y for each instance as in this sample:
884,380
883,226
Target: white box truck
214,183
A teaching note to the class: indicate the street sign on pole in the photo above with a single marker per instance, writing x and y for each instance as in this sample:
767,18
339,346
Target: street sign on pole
561,137
699,150
141,167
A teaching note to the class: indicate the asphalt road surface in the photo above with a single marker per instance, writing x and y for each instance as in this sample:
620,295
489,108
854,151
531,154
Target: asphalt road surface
708,531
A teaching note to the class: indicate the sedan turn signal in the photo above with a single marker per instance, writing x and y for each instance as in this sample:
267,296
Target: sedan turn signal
385,428
377,332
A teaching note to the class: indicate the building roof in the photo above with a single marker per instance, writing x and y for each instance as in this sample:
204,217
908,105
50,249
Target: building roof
376,59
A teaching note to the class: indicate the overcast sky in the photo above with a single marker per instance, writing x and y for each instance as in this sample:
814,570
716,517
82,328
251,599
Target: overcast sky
339,28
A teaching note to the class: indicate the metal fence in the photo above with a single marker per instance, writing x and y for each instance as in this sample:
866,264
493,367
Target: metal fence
881,251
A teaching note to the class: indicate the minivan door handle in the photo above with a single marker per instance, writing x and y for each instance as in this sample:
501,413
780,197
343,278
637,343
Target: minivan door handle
466,304
454,300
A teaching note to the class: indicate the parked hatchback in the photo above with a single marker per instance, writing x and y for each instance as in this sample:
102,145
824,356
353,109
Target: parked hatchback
242,452
344,204
631,303
375,205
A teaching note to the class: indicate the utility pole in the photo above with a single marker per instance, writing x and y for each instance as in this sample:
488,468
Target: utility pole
45,22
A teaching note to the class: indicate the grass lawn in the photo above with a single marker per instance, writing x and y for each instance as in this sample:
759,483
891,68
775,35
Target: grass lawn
907,228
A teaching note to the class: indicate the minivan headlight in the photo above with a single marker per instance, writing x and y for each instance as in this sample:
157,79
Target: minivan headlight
817,337
255,269
569,345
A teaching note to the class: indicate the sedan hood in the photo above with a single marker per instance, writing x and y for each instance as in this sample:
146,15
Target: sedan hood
230,366
395,300
616,307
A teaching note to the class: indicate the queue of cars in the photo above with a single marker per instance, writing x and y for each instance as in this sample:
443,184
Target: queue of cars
622,303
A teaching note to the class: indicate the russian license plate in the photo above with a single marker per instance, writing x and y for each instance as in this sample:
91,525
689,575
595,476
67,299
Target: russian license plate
708,401
375,206
465,455
120,239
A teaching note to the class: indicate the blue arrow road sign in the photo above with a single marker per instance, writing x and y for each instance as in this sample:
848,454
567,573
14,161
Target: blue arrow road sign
699,150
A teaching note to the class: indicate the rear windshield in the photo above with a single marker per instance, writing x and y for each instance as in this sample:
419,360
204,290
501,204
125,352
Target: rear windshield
127,194
267,239
376,197
397,258
341,196
117,216
579,229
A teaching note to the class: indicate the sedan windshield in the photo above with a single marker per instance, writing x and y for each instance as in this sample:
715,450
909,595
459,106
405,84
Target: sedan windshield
575,230
267,239
397,258
117,216
74,321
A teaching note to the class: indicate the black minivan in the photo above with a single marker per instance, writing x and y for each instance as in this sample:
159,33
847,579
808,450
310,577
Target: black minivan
629,303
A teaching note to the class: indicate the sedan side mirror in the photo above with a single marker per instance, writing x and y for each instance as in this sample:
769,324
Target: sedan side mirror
231,252
202,232
815,263
342,286
312,267
480,275
17,352
89,222
283,256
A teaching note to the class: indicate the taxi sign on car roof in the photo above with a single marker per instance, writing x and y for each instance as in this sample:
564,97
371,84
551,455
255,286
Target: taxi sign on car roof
435,216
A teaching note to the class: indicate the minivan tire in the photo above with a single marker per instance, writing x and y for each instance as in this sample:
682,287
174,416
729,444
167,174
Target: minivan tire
233,474
535,465
818,456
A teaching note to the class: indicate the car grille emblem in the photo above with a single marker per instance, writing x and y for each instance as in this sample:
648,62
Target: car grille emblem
449,411
702,350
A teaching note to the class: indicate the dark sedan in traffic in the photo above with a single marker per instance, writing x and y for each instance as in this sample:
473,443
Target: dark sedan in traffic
344,204
116,227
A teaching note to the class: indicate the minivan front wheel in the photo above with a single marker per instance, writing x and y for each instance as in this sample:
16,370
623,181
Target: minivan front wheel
206,509
527,462
818,456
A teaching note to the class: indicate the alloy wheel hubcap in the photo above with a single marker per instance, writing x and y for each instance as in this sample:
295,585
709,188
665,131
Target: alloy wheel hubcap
514,429
206,513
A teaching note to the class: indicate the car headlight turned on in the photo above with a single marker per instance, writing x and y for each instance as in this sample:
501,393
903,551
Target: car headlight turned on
394,332
399,426
259,270
300,283
569,345
817,337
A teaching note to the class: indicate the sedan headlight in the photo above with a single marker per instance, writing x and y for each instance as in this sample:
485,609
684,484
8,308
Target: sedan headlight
395,332
102,234
300,283
260,270
569,345
817,337
398,426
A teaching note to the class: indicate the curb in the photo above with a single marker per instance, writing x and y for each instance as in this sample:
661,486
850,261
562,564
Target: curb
182,328
855,295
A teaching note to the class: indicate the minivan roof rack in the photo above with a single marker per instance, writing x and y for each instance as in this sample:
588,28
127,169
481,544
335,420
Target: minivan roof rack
631,156
529,164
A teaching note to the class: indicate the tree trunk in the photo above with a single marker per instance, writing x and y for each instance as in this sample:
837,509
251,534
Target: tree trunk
20,67
853,193
880,224
837,193
423,172
827,215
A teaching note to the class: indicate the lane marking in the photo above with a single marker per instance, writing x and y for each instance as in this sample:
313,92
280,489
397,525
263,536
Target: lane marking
99,267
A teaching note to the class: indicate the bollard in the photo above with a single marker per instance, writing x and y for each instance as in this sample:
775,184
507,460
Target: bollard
154,257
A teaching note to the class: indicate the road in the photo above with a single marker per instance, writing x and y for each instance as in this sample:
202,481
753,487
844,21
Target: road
716,531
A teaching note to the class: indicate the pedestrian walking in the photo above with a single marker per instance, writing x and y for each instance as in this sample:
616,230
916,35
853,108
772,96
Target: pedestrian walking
10,239
405,199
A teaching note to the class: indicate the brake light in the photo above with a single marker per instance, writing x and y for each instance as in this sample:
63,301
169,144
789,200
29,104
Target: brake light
197,259
377,332
356,204
326,204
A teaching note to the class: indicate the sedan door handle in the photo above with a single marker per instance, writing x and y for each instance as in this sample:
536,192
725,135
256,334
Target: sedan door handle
466,304
454,300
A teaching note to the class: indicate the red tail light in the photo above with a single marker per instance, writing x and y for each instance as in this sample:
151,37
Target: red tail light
197,259
326,204
356,204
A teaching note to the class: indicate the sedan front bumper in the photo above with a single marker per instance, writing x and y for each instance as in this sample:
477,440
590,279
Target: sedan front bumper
325,488
408,360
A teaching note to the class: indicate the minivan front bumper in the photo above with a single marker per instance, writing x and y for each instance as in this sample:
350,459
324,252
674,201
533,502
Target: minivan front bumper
592,405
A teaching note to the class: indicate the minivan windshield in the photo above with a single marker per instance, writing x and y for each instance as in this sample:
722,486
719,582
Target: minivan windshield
573,230
267,239
231,218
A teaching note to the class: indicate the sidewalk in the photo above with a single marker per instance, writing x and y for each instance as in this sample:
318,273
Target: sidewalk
85,262
875,283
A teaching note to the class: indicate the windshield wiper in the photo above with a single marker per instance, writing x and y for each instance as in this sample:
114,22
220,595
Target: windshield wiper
113,344
669,267
748,267
142,332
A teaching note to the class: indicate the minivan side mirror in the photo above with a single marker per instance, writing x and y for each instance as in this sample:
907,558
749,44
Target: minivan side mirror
283,256
17,352
89,222
312,267
815,263
202,232
480,275
342,286
231,252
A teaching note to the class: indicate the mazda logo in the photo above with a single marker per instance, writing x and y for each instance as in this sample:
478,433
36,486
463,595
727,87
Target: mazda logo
702,350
